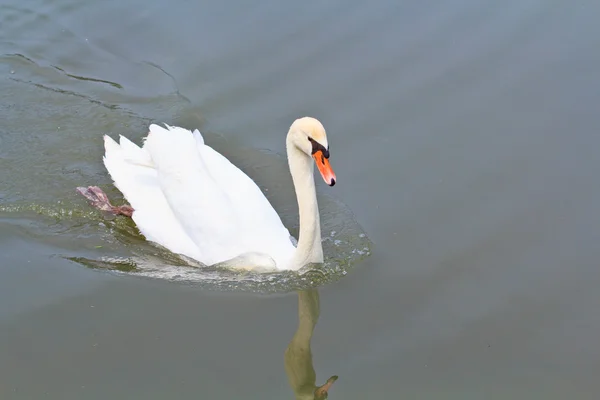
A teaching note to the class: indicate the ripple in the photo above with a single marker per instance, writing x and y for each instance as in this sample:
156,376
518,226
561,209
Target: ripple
345,245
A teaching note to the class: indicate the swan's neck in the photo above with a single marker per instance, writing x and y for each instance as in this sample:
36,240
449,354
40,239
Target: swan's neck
309,249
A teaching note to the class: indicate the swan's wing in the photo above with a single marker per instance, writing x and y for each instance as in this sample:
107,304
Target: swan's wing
254,209
133,174
245,196
219,207
243,192
264,229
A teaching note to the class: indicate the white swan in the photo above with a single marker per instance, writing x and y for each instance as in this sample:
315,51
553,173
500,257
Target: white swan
190,199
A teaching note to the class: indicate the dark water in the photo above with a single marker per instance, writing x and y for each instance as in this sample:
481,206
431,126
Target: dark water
465,137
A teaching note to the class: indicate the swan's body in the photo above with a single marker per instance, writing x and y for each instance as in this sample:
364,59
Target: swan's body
190,199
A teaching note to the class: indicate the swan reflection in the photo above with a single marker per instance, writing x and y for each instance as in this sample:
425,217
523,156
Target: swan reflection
298,355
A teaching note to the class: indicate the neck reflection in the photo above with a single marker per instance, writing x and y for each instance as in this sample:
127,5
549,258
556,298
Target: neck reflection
298,355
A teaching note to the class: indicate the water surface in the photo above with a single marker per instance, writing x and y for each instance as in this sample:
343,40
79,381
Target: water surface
464,135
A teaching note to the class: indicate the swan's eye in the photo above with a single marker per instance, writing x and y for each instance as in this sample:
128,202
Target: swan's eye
316,146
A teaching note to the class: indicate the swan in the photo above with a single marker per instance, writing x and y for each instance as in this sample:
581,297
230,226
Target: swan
190,199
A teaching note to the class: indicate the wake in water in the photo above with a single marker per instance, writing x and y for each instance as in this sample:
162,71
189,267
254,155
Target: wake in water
104,242
344,246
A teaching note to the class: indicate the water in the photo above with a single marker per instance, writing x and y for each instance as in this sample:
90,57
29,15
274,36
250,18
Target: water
464,136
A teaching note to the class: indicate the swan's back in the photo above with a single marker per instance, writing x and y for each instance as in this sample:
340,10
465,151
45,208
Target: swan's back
192,200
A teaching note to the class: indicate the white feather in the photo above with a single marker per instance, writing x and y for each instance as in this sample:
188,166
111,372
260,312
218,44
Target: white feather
190,199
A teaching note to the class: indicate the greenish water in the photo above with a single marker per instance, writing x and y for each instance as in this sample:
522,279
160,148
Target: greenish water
461,238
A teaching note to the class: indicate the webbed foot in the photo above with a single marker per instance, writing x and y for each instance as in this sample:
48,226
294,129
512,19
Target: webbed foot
97,198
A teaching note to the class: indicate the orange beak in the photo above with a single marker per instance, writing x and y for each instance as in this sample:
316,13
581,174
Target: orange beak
324,168
322,392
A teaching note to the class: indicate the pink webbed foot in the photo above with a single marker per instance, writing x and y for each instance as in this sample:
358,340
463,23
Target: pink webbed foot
97,198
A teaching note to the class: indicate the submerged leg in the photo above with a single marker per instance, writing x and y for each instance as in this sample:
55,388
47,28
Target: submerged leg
99,199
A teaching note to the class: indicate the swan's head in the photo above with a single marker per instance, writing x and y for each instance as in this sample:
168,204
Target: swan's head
308,135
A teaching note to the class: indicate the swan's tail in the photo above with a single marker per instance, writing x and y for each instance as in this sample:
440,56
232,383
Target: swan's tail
133,172
167,148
